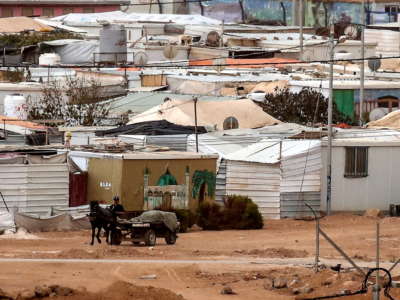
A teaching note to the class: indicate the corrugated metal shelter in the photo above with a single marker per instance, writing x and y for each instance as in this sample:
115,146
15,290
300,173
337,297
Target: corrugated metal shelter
278,175
175,142
34,188
365,170
226,142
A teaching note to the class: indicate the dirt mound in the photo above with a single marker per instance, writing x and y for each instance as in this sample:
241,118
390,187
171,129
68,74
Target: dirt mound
118,290
274,252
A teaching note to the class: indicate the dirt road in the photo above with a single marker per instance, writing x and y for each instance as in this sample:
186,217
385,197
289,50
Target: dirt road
203,262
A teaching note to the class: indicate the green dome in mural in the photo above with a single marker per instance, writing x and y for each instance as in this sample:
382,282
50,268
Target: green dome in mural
167,179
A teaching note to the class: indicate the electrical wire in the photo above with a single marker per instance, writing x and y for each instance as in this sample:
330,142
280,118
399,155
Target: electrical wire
211,65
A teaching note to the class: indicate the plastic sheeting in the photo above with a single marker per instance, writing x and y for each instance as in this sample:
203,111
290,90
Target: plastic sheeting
118,16
155,216
7,221
75,51
151,128
62,222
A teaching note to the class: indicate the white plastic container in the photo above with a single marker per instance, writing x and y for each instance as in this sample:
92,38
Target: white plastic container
15,106
49,59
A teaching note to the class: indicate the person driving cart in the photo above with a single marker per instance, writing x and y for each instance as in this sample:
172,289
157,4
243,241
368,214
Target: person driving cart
116,207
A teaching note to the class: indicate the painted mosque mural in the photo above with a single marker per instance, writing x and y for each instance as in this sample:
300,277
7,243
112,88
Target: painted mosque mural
317,13
167,194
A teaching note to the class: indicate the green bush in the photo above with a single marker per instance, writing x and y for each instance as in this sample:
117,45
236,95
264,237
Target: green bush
186,218
238,212
209,216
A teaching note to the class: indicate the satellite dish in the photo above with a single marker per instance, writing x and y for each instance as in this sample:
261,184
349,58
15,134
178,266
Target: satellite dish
140,58
213,39
170,51
374,64
351,31
378,113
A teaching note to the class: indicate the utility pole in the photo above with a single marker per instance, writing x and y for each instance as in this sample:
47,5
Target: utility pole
330,104
377,289
301,19
195,123
362,66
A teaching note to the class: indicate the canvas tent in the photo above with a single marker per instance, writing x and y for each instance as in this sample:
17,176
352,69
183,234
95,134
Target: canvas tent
270,87
20,24
209,114
391,120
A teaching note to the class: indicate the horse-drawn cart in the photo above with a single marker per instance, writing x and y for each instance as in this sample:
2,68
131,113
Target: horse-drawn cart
146,228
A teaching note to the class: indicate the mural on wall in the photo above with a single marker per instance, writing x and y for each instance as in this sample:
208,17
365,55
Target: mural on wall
270,11
203,184
317,13
167,194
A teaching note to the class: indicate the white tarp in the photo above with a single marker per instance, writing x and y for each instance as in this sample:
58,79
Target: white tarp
118,16
272,151
78,19
7,221
60,26
75,51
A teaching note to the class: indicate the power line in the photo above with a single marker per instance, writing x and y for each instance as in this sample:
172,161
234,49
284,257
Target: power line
208,65
278,63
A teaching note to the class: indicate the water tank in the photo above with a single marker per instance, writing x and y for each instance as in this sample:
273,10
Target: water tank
49,59
15,106
112,44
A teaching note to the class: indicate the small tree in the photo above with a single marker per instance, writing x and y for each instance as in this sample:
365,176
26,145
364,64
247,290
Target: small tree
74,103
305,107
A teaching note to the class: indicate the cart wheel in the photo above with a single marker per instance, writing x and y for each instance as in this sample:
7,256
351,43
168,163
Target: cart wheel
116,237
150,238
170,237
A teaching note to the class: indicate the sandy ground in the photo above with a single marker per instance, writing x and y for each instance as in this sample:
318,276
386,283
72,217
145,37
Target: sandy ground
279,239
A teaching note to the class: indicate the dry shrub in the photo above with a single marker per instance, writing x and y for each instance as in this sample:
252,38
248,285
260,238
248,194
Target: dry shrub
239,212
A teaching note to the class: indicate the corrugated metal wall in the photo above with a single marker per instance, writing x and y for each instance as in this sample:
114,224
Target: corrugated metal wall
292,204
136,140
175,142
258,181
34,188
220,188
301,182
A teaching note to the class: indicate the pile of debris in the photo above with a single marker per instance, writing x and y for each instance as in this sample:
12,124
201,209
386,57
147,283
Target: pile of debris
118,290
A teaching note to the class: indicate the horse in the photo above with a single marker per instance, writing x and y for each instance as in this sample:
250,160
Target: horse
100,218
